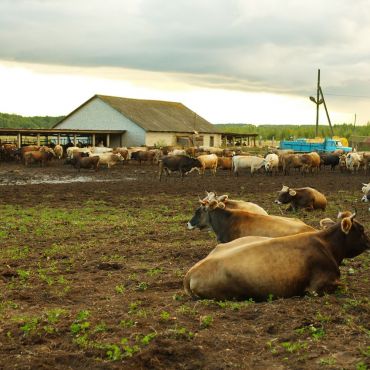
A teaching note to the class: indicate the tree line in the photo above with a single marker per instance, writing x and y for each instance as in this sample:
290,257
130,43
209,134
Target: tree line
267,132
281,132
17,121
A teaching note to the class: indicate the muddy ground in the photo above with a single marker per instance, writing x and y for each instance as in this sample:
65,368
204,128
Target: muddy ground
91,269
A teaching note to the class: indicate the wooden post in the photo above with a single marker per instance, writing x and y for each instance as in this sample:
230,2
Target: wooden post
19,140
93,139
108,140
326,110
317,102
38,139
58,139
74,140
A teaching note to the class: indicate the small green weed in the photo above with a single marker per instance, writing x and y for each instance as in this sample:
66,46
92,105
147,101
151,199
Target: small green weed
206,321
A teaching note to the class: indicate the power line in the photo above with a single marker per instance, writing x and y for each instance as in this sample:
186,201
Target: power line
349,96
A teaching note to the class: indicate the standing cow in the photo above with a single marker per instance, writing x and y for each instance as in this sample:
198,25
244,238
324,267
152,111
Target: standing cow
272,163
244,162
208,161
178,163
353,162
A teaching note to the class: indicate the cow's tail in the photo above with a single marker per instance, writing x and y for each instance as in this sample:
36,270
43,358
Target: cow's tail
160,172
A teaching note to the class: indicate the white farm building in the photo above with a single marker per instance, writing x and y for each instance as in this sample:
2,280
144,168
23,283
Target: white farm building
116,121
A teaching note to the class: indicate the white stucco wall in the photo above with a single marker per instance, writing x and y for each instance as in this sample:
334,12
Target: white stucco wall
169,138
164,138
97,115
216,140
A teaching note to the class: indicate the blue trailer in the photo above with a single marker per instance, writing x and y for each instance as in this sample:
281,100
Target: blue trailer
305,146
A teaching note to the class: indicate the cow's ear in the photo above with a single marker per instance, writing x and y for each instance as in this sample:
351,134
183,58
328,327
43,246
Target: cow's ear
344,214
346,224
326,222
221,205
292,192
212,204
222,198
203,202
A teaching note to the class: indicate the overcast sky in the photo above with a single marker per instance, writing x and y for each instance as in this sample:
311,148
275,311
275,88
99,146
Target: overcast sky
249,61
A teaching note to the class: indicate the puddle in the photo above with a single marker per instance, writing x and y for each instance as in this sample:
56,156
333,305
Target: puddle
57,180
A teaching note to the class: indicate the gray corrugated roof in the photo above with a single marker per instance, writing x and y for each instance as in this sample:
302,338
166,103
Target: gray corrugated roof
155,115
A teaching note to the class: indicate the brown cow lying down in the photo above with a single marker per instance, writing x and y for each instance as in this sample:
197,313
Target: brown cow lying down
235,204
307,198
282,267
230,224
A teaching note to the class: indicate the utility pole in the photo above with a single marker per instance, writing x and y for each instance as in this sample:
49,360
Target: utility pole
320,100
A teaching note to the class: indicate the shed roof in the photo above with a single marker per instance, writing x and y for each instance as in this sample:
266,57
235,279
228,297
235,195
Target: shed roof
156,115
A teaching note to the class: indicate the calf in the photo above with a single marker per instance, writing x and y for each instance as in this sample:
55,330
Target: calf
307,198
230,224
279,267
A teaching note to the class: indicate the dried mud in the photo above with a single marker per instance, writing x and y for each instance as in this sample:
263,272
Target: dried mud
129,278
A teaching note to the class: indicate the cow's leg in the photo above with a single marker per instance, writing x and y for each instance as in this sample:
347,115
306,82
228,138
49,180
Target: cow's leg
323,284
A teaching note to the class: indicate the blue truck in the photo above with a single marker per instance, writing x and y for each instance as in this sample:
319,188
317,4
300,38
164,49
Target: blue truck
304,146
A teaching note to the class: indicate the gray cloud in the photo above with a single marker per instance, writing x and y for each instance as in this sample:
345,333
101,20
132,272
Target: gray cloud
250,45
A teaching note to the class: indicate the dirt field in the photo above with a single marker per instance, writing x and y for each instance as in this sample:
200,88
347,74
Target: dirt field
91,277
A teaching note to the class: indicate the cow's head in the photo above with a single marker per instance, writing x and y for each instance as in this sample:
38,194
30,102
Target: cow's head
200,219
268,165
285,195
119,157
355,239
366,191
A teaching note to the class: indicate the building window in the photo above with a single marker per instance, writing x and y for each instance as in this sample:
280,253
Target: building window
199,141
211,141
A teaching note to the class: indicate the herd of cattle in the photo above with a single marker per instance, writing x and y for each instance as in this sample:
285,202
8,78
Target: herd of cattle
263,256
187,160
259,255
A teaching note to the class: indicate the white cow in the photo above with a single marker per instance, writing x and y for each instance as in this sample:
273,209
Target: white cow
272,163
177,152
76,149
109,159
353,161
252,162
366,191
101,149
